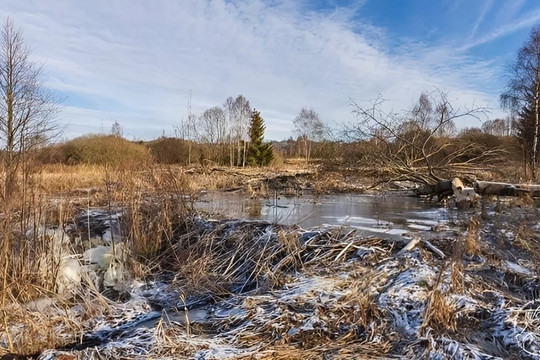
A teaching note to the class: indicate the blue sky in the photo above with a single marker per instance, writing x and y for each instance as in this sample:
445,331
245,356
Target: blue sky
135,61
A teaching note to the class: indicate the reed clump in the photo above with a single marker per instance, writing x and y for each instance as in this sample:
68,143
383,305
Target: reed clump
39,244
472,241
440,314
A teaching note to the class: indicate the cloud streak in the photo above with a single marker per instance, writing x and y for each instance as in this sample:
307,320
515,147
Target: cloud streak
135,61
487,7
503,31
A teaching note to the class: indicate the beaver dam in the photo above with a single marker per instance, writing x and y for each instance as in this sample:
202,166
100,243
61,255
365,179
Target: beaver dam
379,278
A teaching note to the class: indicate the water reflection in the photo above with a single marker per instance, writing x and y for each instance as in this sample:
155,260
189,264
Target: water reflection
374,213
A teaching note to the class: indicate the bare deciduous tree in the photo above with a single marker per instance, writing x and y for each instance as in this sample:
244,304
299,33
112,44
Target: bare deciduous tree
116,129
212,129
212,125
239,113
407,146
522,94
309,128
27,109
497,127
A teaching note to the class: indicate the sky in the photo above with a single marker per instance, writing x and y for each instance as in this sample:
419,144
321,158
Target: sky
136,62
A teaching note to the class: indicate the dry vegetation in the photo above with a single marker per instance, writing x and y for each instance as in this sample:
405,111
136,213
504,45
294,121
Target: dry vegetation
266,291
331,292
103,256
281,292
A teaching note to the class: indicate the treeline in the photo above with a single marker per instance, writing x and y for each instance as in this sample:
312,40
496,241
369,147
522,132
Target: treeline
114,150
100,149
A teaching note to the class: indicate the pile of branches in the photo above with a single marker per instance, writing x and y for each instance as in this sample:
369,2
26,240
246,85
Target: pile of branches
420,145
224,257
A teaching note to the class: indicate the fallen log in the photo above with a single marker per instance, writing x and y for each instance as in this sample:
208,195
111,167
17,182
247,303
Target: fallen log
411,245
455,187
440,189
433,248
447,188
414,242
464,195
499,188
534,189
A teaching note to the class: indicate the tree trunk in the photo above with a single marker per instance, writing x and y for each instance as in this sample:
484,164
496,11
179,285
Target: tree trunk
536,123
502,189
238,153
440,189
244,155
231,153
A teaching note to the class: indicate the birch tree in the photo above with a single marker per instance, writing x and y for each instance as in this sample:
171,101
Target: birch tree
309,128
27,109
522,93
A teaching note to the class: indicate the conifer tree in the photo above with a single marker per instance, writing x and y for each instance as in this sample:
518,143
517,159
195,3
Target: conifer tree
259,154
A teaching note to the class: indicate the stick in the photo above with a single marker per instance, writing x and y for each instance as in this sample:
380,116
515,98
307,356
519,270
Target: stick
433,248
344,250
411,245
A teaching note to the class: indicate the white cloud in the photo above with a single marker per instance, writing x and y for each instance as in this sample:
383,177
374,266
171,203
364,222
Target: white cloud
136,61
485,9
503,30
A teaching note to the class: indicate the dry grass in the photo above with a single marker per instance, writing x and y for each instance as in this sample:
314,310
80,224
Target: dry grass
211,258
440,314
78,179
527,237
472,241
155,201
31,258
457,275
55,324
66,178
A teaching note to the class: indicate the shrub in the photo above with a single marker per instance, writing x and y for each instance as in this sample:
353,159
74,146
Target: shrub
174,151
103,150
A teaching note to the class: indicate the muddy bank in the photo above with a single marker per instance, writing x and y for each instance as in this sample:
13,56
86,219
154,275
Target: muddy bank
231,289
98,185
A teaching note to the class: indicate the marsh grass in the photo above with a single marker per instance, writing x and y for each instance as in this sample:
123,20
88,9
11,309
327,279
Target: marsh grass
440,314
163,233
472,241
205,257
35,240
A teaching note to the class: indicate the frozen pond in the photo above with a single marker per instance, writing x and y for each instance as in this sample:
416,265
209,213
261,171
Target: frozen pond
389,214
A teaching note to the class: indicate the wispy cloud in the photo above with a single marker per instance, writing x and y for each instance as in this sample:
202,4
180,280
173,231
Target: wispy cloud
485,9
135,61
503,30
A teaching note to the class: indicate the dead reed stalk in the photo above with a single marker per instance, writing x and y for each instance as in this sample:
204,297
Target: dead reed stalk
472,241
439,315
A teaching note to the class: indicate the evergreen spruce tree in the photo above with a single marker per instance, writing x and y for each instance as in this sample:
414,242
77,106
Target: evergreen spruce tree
259,154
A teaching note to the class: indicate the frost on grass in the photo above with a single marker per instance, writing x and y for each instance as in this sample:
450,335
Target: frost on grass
244,289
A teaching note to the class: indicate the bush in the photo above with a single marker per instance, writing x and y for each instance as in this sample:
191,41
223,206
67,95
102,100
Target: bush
99,150
173,151
480,142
